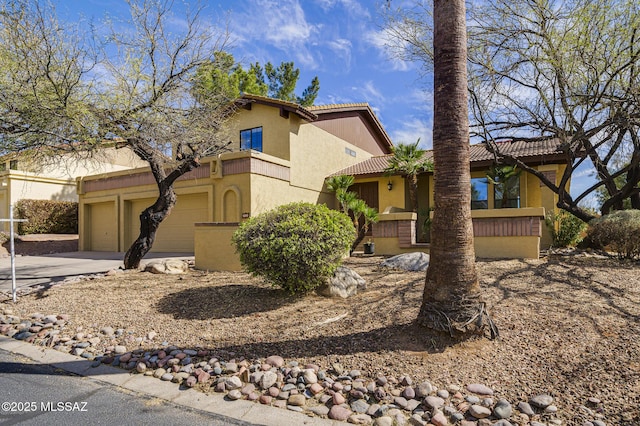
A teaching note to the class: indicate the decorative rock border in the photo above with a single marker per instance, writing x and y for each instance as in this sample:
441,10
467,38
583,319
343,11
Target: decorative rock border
337,393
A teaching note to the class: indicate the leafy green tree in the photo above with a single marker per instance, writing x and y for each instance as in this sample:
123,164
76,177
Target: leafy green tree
277,82
409,160
223,75
560,70
60,94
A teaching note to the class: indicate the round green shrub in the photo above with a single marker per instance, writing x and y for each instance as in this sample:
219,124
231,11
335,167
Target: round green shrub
296,246
618,231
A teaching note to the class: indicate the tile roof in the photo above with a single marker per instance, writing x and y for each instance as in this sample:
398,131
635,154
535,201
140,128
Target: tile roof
317,108
518,148
478,154
373,165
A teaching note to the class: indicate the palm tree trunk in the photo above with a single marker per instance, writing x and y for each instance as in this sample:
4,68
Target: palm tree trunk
452,300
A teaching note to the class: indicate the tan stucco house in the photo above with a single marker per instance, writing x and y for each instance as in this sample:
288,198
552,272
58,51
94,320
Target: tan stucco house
24,178
282,152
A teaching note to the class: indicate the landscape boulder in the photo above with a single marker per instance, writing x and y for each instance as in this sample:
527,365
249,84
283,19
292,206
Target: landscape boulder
344,283
168,266
416,261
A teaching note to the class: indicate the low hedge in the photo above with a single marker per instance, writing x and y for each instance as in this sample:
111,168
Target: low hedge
47,217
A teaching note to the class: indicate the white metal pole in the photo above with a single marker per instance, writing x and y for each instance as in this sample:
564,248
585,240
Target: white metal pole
13,255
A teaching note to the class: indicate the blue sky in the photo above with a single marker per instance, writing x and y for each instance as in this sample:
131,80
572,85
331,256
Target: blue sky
340,41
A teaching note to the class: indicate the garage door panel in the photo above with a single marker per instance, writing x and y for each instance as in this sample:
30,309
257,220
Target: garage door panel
176,232
103,229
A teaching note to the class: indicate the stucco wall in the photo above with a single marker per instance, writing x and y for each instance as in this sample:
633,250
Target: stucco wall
315,154
214,250
24,185
275,129
394,198
69,166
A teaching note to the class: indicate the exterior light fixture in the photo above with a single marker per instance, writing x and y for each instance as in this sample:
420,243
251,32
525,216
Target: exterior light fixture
389,185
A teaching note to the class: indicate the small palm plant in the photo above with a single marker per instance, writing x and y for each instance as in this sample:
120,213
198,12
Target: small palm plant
352,205
409,160
360,209
340,185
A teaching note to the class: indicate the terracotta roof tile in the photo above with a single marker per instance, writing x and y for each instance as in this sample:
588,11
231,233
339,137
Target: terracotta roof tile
518,148
290,106
318,108
373,165
478,153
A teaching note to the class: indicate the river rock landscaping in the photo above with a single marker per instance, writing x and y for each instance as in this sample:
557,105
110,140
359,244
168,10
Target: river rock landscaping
568,353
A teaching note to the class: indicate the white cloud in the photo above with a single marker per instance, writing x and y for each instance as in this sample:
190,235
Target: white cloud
582,179
420,100
342,48
590,172
369,92
382,41
330,99
353,7
410,130
281,24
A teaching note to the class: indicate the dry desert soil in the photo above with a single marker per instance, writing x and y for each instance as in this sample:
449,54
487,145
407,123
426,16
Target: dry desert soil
569,326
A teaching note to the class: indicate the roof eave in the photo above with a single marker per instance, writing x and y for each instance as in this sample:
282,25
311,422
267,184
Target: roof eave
291,107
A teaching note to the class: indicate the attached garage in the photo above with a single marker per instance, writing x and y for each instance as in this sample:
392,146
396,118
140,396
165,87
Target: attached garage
102,224
176,232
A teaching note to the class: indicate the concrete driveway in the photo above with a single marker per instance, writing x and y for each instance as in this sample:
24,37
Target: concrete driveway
48,269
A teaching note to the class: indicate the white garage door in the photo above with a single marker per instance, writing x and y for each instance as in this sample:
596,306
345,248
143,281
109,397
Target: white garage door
176,231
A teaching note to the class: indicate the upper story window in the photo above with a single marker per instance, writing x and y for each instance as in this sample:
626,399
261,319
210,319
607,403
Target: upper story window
507,193
479,192
251,139
13,164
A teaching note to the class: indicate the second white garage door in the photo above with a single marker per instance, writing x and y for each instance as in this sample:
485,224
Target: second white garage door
176,231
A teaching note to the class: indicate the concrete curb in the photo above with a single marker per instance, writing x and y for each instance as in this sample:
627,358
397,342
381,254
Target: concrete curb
250,412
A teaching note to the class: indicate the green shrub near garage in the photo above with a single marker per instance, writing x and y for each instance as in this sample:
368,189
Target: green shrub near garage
47,217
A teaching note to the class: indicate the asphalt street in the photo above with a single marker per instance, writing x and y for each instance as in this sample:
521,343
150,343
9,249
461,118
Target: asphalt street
40,394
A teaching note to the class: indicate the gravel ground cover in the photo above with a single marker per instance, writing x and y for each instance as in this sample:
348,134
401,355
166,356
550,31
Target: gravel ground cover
569,330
